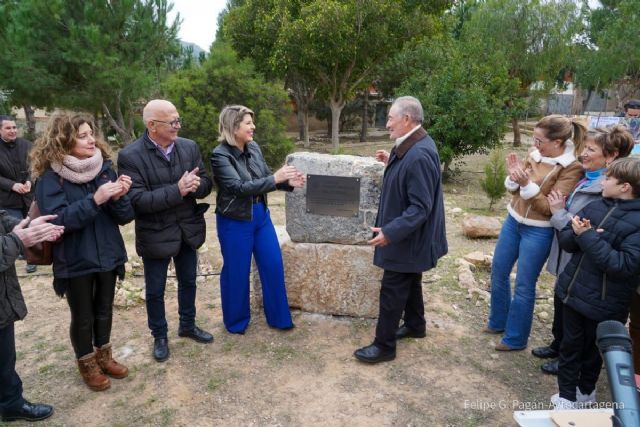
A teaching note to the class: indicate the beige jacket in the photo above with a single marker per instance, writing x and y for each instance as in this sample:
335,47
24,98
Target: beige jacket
529,204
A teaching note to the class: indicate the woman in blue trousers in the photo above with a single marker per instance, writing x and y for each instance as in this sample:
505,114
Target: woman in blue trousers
244,225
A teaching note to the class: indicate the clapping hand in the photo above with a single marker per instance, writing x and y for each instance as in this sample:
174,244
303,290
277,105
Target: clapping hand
580,225
38,230
516,171
556,201
189,182
125,185
106,191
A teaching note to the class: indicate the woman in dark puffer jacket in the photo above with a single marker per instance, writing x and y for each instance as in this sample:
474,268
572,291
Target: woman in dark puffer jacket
77,183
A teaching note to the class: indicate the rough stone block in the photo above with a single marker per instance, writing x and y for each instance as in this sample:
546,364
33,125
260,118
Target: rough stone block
305,227
328,279
478,226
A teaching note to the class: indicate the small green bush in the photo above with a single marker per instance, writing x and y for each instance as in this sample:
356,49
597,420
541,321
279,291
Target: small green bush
495,172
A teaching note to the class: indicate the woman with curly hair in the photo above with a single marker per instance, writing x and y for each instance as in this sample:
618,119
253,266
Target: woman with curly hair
76,182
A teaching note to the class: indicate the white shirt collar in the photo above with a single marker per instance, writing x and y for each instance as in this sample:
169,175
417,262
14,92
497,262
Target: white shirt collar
406,135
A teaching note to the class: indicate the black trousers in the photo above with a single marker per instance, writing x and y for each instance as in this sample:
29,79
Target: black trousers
90,299
10,383
400,292
556,326
580,361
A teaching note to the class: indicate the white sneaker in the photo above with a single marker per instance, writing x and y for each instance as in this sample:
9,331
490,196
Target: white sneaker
560,403
585,399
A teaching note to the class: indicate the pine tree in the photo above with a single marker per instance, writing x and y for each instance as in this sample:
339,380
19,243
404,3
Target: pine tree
495,172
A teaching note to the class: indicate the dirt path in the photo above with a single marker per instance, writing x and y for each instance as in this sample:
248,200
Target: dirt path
303,377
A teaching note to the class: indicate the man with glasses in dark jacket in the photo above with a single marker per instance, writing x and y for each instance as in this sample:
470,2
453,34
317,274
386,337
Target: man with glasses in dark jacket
167,176
16,193
13,238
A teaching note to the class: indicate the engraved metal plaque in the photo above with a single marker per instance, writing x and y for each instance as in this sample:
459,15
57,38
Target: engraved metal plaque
333,195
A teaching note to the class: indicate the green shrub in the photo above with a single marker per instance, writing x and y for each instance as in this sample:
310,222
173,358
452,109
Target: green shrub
495,172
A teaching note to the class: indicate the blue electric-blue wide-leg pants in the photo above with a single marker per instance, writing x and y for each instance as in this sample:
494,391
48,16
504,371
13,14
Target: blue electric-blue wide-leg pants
238,241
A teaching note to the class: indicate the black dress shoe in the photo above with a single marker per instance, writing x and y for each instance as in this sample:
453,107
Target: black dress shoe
545,352
404,331
29,412
160,349
374,354
197,334
550,367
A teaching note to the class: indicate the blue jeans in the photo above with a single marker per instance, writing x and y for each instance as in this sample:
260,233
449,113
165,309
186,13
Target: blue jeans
515,315
238,241
155,279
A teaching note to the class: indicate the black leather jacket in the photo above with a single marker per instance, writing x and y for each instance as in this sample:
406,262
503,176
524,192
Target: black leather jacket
240,177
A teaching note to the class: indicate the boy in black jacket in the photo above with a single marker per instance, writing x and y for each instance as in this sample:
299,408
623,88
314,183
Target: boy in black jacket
600,279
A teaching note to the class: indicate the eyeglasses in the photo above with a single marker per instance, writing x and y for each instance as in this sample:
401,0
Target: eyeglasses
173,123
539,141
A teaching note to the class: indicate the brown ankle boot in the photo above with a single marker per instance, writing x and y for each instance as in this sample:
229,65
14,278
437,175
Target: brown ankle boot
92,374
108,365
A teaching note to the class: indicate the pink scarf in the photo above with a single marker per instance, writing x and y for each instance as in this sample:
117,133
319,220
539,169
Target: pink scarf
79,171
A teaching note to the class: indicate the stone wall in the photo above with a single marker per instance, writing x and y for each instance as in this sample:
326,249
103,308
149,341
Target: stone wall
328,278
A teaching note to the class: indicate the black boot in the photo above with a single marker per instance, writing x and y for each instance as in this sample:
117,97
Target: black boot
28,412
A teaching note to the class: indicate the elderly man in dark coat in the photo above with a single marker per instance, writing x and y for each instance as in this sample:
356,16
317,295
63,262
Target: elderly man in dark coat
13,238
409,236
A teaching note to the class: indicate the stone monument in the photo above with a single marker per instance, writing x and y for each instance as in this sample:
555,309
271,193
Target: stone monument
327,262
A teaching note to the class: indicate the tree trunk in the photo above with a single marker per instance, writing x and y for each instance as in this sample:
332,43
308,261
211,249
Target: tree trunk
30,116
336,110
125,132
446,171
300,120
517,142
365,116
305,128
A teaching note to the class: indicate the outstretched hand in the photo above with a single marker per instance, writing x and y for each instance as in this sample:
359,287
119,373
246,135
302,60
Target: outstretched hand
382,156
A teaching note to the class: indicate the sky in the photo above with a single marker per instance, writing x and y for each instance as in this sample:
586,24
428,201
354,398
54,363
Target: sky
199,20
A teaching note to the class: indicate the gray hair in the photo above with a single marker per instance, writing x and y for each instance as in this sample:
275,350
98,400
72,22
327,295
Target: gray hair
230,118
411,107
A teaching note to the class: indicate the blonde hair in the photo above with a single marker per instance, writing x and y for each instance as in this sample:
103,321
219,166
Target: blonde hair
230,118
59,139
559,127
614,140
